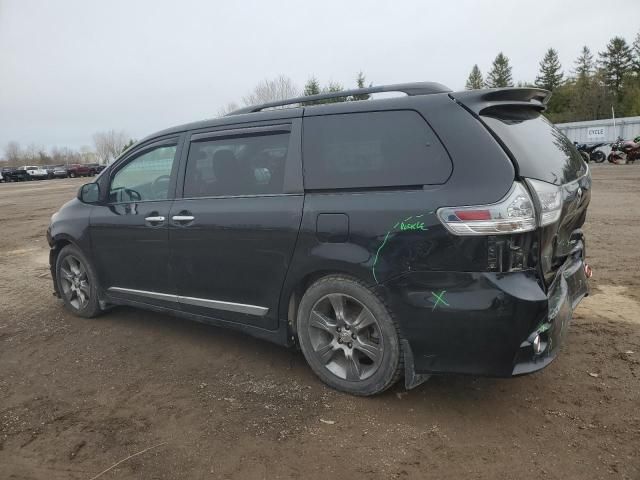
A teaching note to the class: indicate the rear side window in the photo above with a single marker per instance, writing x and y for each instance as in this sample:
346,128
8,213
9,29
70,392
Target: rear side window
236,166
541,150
373,149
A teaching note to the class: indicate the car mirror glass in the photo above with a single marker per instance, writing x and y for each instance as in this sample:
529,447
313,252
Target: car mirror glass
89,193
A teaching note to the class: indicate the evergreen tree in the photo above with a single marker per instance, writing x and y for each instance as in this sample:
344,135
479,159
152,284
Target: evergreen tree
550,76
333,87
312,87
584,64
361,83
616,62
500,73
128,145
475,81
636,54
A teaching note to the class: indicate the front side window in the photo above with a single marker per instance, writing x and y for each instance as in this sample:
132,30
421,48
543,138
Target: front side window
146,177
243,165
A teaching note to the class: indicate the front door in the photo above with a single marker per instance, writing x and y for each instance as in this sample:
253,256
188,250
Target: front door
233,233
129,233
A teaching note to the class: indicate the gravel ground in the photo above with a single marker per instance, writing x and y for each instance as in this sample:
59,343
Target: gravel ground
77,396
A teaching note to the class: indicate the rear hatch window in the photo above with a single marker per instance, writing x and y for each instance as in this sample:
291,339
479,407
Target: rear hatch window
541,151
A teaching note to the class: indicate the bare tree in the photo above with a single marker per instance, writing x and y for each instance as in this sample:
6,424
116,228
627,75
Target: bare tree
87,155
228,108
280,88
101,144
109,144
31,155
12,153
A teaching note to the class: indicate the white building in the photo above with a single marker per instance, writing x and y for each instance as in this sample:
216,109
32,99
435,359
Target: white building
597,131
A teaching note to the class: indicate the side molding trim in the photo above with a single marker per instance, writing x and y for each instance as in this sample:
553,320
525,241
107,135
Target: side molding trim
199,302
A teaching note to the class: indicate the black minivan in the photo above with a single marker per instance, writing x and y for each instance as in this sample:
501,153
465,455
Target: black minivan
429,233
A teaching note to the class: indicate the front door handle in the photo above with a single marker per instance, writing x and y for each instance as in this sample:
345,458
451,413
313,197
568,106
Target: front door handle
154,220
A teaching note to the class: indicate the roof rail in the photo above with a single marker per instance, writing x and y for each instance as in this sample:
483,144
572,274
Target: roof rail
411,89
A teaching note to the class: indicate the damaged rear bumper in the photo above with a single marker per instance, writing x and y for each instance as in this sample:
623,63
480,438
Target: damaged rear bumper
568,288
484,323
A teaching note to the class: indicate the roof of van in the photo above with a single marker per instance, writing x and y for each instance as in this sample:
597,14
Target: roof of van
476,100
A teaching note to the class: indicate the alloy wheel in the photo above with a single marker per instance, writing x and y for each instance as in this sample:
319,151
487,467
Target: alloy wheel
345,337
75,282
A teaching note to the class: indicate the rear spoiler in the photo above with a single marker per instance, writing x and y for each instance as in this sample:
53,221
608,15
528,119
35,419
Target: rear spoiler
485,101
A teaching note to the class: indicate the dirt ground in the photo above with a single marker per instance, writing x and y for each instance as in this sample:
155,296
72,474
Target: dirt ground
77,396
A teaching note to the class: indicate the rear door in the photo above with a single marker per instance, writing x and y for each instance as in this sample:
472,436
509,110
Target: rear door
233,232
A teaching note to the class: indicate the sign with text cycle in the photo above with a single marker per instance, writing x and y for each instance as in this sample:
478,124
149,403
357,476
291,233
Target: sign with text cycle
596,133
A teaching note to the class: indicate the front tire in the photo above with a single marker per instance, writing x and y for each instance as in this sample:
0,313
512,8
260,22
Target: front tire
348,336
598,156
77,282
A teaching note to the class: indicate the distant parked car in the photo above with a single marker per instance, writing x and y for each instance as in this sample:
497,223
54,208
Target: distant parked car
60,172
12,174
78,170
95,168
50,169
36,173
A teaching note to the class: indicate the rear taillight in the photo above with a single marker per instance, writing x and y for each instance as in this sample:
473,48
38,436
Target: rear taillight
515,213
549,198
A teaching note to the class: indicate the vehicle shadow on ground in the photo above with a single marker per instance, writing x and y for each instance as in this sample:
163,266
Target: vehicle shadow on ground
191,340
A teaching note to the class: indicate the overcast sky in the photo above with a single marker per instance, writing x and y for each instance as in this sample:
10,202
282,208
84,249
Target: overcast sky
69,68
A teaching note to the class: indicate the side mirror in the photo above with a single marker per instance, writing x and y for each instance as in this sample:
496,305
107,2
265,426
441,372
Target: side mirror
89,193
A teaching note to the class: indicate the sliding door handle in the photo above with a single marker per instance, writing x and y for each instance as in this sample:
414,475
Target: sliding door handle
182,219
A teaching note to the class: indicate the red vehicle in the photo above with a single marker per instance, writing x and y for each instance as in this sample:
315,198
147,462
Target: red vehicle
625,152
79,170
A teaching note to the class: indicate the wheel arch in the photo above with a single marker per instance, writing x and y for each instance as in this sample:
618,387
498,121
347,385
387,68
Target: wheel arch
295,289
57,243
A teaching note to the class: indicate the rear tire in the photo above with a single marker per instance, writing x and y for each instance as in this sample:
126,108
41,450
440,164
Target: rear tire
349,337
77,282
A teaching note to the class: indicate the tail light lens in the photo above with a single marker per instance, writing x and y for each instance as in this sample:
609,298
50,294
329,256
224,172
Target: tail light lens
549,197
513,214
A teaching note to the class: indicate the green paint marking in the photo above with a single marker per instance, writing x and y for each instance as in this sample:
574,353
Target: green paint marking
439,299
377,254
543,327
412,226
404,226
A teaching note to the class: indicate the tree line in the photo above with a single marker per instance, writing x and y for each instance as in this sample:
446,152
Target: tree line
106,147
588,91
